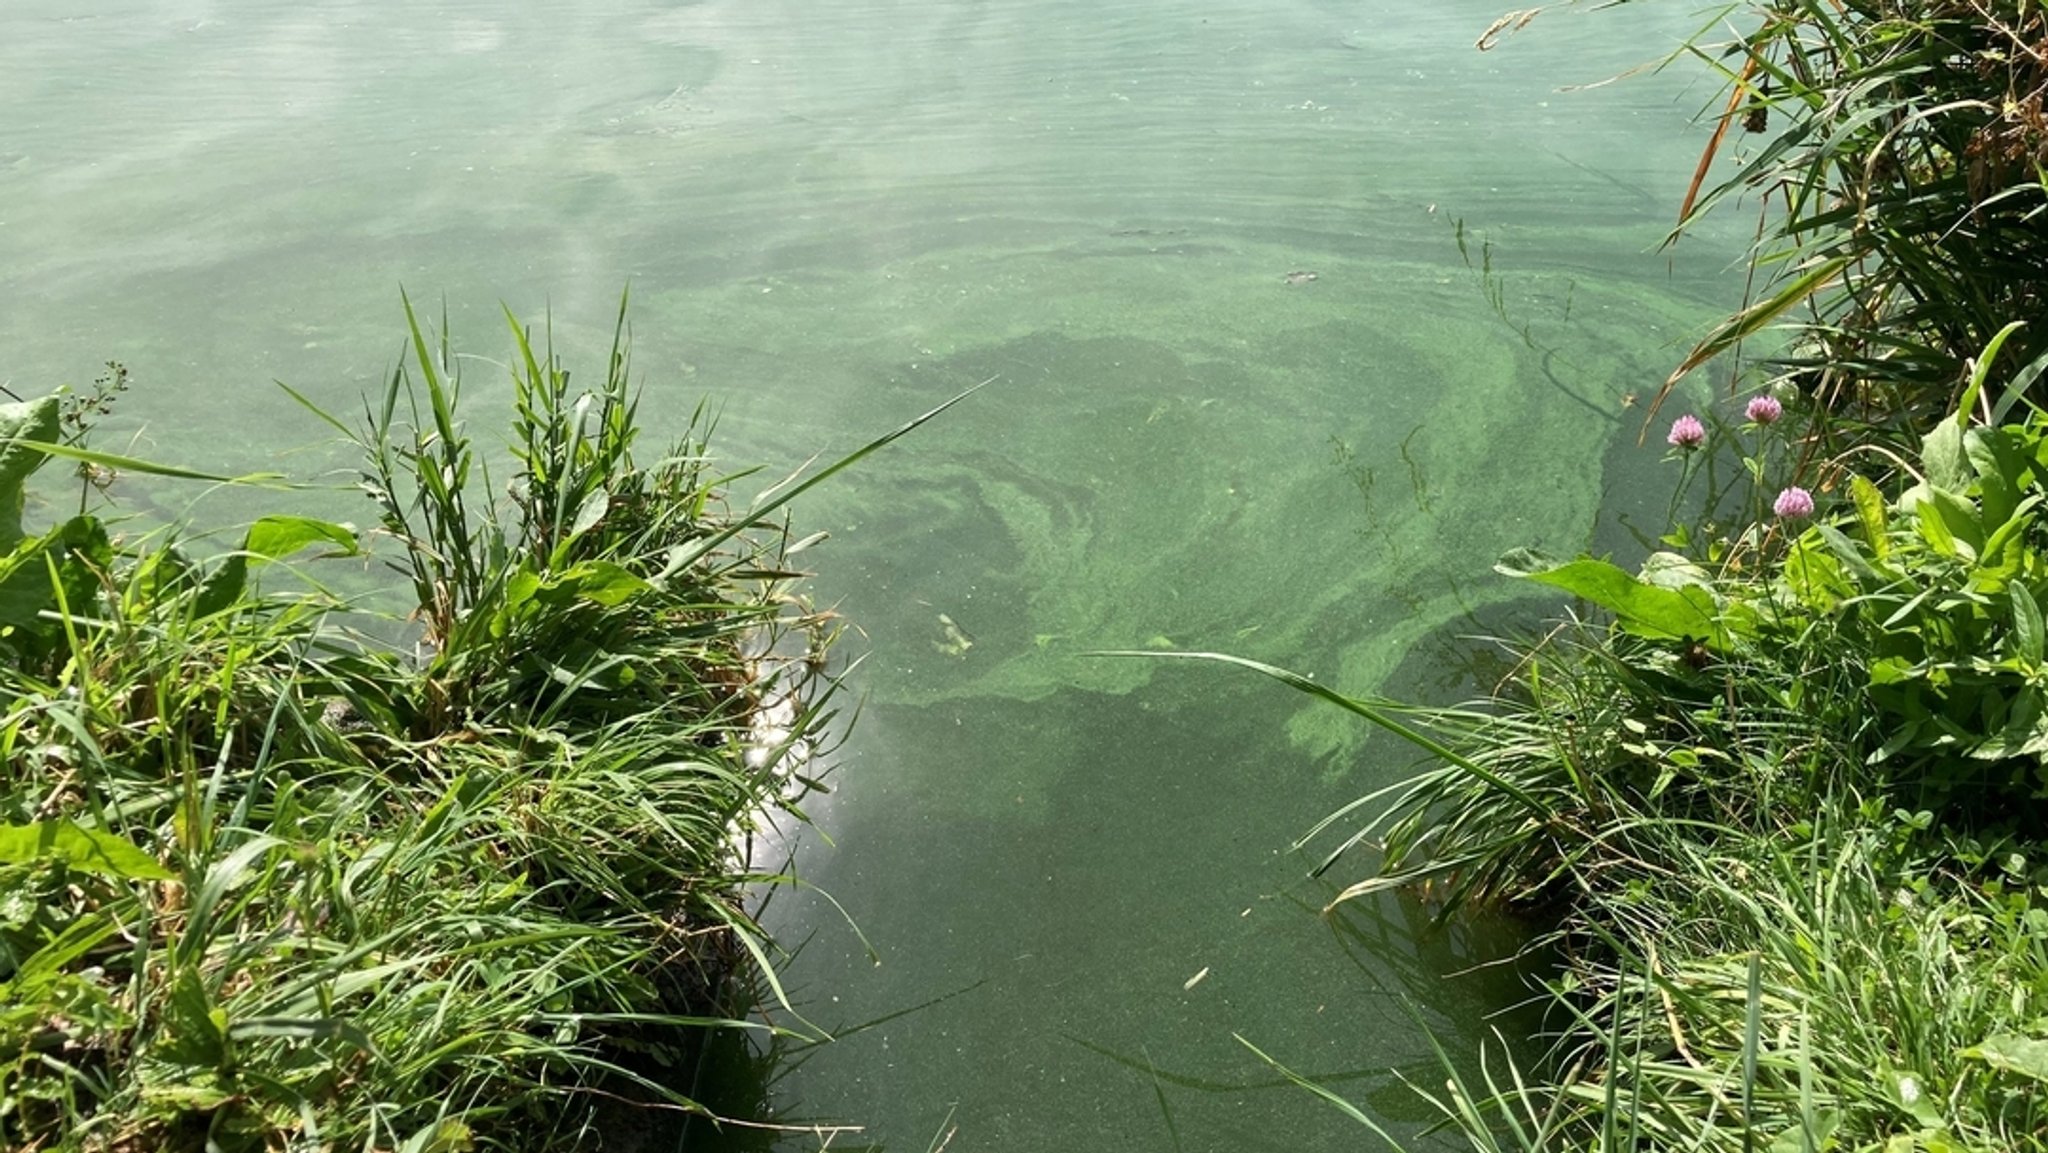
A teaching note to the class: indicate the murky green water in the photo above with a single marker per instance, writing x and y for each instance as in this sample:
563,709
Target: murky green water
836,215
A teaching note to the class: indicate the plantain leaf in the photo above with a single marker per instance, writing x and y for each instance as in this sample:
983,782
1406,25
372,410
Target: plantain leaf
1644,608
86,850
2026,1056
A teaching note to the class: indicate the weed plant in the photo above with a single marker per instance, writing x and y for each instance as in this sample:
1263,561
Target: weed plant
1783,795
269,881
1784,809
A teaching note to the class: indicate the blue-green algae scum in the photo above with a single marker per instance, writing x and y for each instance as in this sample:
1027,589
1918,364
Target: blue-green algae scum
1247,394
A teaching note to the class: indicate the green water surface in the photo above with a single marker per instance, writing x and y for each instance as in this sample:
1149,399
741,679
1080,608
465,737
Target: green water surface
1246,392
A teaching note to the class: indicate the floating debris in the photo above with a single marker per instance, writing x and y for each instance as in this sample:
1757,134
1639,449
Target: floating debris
1300,276
957,641
1196,979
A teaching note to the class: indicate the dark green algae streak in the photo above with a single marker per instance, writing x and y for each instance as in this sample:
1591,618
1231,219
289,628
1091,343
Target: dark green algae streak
835,216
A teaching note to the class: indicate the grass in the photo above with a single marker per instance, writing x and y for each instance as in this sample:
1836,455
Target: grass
1784,818
1781,795
274,879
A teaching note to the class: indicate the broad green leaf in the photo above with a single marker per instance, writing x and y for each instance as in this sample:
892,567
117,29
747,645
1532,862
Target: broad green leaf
604,583
279,536
1961,518
594,507
2022,735
1817,575
1870,515
86,850
1934,529
1669,570
2000,471
222,589
1942,459
31,420
25,584
2026,1056
1997,553
1687,612
2026,625
1852,558
521,586
1912,1097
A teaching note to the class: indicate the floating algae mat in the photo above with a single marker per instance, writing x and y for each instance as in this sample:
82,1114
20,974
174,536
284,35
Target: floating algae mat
1294,315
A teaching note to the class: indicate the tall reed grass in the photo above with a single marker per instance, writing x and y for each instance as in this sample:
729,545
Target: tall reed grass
1898,172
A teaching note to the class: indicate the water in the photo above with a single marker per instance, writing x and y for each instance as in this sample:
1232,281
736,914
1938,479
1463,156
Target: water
835,216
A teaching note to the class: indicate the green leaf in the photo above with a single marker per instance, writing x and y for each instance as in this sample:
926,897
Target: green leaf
1677,613
180,1097
223,587
2022,735
152,468
1669,570
1851,557
279,536
303,1029
1934,529
86,850
2026,1056
604,583
1912,1097
1980,370
594,507
25,584
521,586
22,421
2000,471
1995,553
1870,515
1942,458
46,966
1961,517
2026,625
198,1027
447,1135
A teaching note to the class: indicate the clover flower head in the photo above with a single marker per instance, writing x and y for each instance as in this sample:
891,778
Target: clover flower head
1764,409
1687,433
1794,503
